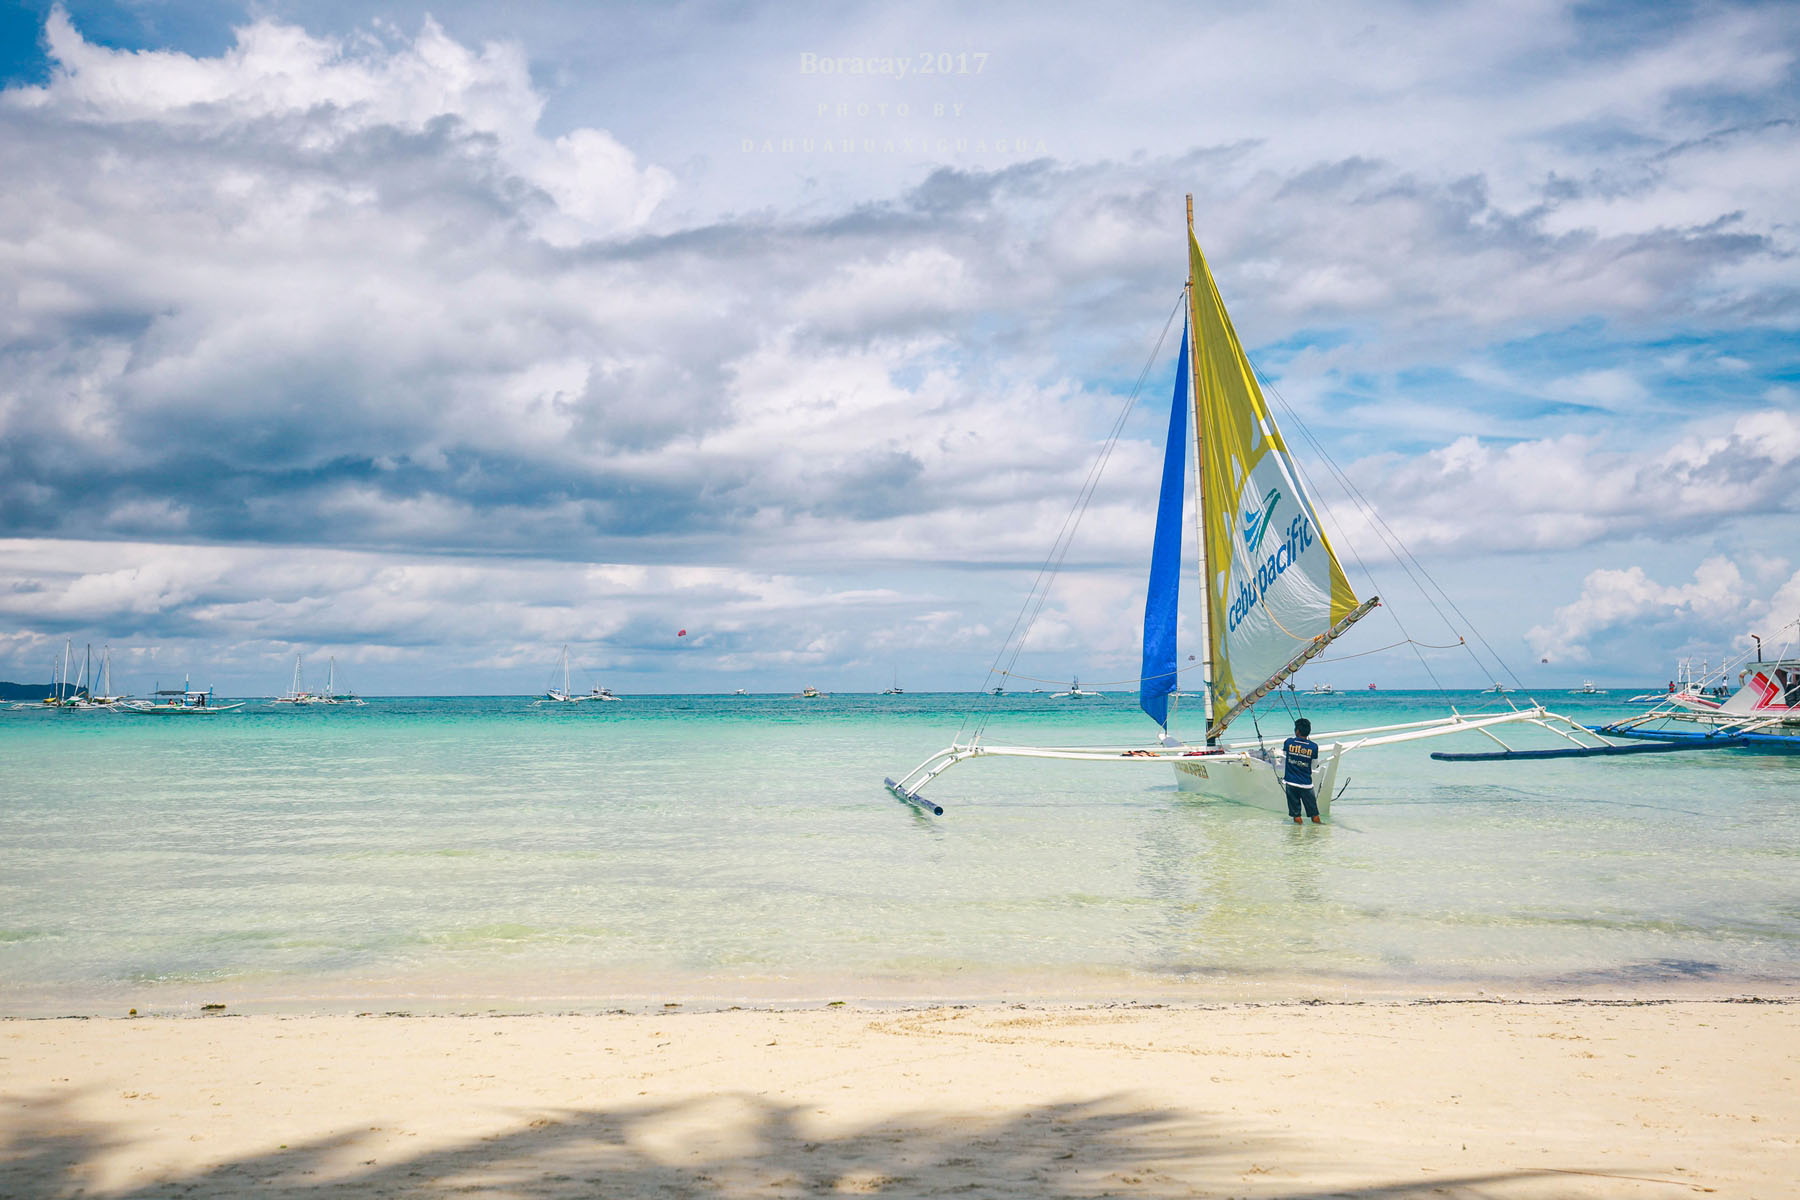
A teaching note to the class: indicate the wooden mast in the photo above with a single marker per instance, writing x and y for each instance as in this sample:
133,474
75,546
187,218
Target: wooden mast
1206,658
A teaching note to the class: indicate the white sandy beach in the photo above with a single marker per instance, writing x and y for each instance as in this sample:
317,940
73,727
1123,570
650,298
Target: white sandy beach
1460,1099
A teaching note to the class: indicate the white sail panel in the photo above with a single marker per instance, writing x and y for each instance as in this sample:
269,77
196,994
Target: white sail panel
1274,586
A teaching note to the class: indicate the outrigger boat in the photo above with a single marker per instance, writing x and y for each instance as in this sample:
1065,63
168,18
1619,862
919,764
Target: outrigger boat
180,702
1075,692
1707,683
1762,714
1272,593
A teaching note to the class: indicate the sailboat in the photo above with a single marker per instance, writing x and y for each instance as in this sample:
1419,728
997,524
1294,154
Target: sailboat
83,694
1272,592
105,697
566,695
61,695
296,693
84,687
331,695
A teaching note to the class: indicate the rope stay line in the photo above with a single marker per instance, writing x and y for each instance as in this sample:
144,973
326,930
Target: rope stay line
1196,666
1338,476
1039,595
1403,556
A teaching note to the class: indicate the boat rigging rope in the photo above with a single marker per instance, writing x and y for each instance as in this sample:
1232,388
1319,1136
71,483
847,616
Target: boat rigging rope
1035,599
1403,555
1197,666
1459,642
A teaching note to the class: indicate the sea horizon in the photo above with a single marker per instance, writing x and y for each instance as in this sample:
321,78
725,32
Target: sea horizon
1556,691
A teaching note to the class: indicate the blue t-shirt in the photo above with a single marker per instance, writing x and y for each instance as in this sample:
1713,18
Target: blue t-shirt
1301,754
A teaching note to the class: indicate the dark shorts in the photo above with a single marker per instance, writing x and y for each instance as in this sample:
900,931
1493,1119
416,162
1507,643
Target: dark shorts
1300,796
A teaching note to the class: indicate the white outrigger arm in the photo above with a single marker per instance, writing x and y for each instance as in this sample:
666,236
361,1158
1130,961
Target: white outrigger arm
1336,744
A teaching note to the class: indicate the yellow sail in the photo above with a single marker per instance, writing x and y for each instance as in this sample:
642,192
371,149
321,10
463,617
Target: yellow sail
1275,592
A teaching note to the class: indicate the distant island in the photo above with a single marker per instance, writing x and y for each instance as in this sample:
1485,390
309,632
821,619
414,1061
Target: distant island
33,691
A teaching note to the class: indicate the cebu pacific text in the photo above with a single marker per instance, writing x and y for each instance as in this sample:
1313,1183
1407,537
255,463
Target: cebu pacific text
1250,594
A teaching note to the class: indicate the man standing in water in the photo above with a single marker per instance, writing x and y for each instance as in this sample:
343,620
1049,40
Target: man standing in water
1301,753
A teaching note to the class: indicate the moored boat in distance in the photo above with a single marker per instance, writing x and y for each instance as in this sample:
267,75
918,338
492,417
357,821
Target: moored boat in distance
296,693
63,694
105,697
89,690
1587,688
331,695
566,695
184,701
1075,692
1704,682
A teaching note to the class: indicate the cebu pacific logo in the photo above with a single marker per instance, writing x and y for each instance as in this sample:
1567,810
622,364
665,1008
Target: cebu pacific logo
1256,520
1267,558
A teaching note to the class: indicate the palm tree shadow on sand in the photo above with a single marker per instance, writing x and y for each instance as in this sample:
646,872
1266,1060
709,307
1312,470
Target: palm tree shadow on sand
734,1145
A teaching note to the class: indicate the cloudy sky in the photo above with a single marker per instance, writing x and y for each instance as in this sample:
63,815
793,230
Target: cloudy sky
437,337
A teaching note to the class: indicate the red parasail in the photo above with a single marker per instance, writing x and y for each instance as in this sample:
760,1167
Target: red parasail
683,633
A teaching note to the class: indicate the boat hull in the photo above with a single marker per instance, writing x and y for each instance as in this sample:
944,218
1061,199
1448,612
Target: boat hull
1250,780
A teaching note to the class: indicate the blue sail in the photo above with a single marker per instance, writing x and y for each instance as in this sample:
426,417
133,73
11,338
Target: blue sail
1162,608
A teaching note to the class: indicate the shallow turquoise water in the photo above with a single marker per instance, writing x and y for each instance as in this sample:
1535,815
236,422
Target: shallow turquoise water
468,853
